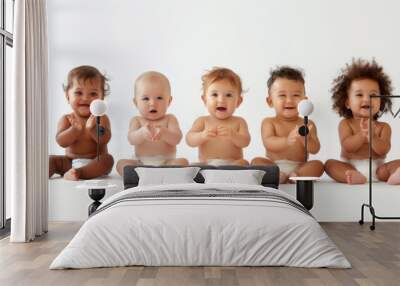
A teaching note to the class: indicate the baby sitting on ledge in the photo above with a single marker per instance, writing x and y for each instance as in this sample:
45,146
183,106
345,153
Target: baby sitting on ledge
154,134
220,136
284,146
76,132
352,90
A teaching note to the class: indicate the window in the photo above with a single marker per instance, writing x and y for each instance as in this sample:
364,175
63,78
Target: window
6,44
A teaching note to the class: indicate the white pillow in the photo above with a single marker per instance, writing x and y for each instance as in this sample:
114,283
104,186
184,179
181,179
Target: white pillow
163,176
248,177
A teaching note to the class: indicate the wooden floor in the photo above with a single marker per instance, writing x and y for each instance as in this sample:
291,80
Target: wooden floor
374,255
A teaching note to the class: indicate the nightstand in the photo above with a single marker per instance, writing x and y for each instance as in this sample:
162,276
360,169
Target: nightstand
96,190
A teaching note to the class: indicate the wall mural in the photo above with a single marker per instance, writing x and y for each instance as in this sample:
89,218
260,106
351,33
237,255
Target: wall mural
221,136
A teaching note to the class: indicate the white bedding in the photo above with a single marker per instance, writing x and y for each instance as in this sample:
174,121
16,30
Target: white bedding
200,231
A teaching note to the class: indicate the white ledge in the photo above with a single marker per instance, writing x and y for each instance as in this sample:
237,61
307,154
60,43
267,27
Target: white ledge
342,202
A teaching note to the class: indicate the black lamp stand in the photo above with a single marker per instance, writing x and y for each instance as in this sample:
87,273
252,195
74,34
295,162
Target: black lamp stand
305,188
99,132
303,131
97,194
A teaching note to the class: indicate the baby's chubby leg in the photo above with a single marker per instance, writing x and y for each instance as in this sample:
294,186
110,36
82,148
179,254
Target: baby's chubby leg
96,168
59,165
241,162
343,172
126,162
262,161
389,172
177,161
313,168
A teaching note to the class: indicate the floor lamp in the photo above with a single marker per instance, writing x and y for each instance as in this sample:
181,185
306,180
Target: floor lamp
370,204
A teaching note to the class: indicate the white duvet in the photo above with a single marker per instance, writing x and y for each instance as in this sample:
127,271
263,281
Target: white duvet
200,231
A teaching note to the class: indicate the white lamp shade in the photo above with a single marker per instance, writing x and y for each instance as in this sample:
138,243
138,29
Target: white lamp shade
98,107
305,107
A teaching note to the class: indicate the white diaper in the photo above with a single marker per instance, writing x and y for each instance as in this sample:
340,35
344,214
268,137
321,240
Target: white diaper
287,166
363,166
80,162
157,160
218,162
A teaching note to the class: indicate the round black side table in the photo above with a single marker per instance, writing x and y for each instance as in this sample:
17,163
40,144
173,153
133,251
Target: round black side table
96,191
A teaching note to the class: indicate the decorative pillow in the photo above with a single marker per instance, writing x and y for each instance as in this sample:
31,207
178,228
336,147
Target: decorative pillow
163,176
248,177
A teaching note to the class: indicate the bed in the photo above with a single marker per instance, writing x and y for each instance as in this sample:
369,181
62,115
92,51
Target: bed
201,224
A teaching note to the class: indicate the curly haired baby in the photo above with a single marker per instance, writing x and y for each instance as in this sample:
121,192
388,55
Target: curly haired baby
351,99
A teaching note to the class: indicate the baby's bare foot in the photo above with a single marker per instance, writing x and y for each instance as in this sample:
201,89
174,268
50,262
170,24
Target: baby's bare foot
283,177
71,175
355,177
394,178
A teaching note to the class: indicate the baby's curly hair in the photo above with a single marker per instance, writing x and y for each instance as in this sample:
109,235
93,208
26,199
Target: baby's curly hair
84,73
218,73
360,69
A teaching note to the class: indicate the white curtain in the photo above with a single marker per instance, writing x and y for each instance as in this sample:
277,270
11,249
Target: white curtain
29,155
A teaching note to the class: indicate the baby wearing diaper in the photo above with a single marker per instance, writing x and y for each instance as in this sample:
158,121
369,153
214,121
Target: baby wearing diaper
154,134
76,131
284,146
220,136
351,96
362,166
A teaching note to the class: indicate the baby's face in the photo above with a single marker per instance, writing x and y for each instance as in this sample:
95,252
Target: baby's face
284,96
358,97
82,93
152,99
221,99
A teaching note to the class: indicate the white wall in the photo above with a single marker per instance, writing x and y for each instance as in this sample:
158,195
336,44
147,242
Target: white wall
184,38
